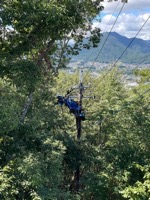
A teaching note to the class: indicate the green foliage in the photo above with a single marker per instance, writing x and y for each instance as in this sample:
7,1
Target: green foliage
35,37
111,141
9,108
140,189
22,74
39,158
39,151
31,159
144,74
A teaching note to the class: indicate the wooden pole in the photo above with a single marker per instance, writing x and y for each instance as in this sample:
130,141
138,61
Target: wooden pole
79,124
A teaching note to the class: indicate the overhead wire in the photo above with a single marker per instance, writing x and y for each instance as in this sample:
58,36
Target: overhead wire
133,69
144,59
123,52
107,26
104,28
105,41
112,16
141,62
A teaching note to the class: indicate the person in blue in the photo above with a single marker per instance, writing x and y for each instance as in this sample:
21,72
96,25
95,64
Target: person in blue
73,106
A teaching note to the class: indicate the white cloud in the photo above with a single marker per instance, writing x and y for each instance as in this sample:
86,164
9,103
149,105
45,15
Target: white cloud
130,20
139,5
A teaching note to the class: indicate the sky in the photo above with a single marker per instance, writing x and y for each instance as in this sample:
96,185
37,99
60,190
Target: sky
131,19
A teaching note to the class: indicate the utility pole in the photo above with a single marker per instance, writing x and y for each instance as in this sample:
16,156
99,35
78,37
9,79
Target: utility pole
78,125
78,119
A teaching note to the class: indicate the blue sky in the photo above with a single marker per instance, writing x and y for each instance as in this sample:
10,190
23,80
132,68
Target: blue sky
132,17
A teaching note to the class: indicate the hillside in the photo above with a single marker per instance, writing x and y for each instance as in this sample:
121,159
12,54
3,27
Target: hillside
115,45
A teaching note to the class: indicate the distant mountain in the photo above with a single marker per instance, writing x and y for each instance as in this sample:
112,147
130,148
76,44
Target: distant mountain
114,47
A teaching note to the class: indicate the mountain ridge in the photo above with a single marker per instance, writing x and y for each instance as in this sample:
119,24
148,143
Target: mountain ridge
114,47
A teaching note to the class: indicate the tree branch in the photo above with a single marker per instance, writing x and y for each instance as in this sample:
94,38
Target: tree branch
26,108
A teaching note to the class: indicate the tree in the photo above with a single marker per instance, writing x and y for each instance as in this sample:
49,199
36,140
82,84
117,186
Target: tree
35,39
114,150
41,30
39,157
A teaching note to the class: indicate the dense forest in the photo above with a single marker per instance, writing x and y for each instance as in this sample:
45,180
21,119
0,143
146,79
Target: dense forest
39,157
39,149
